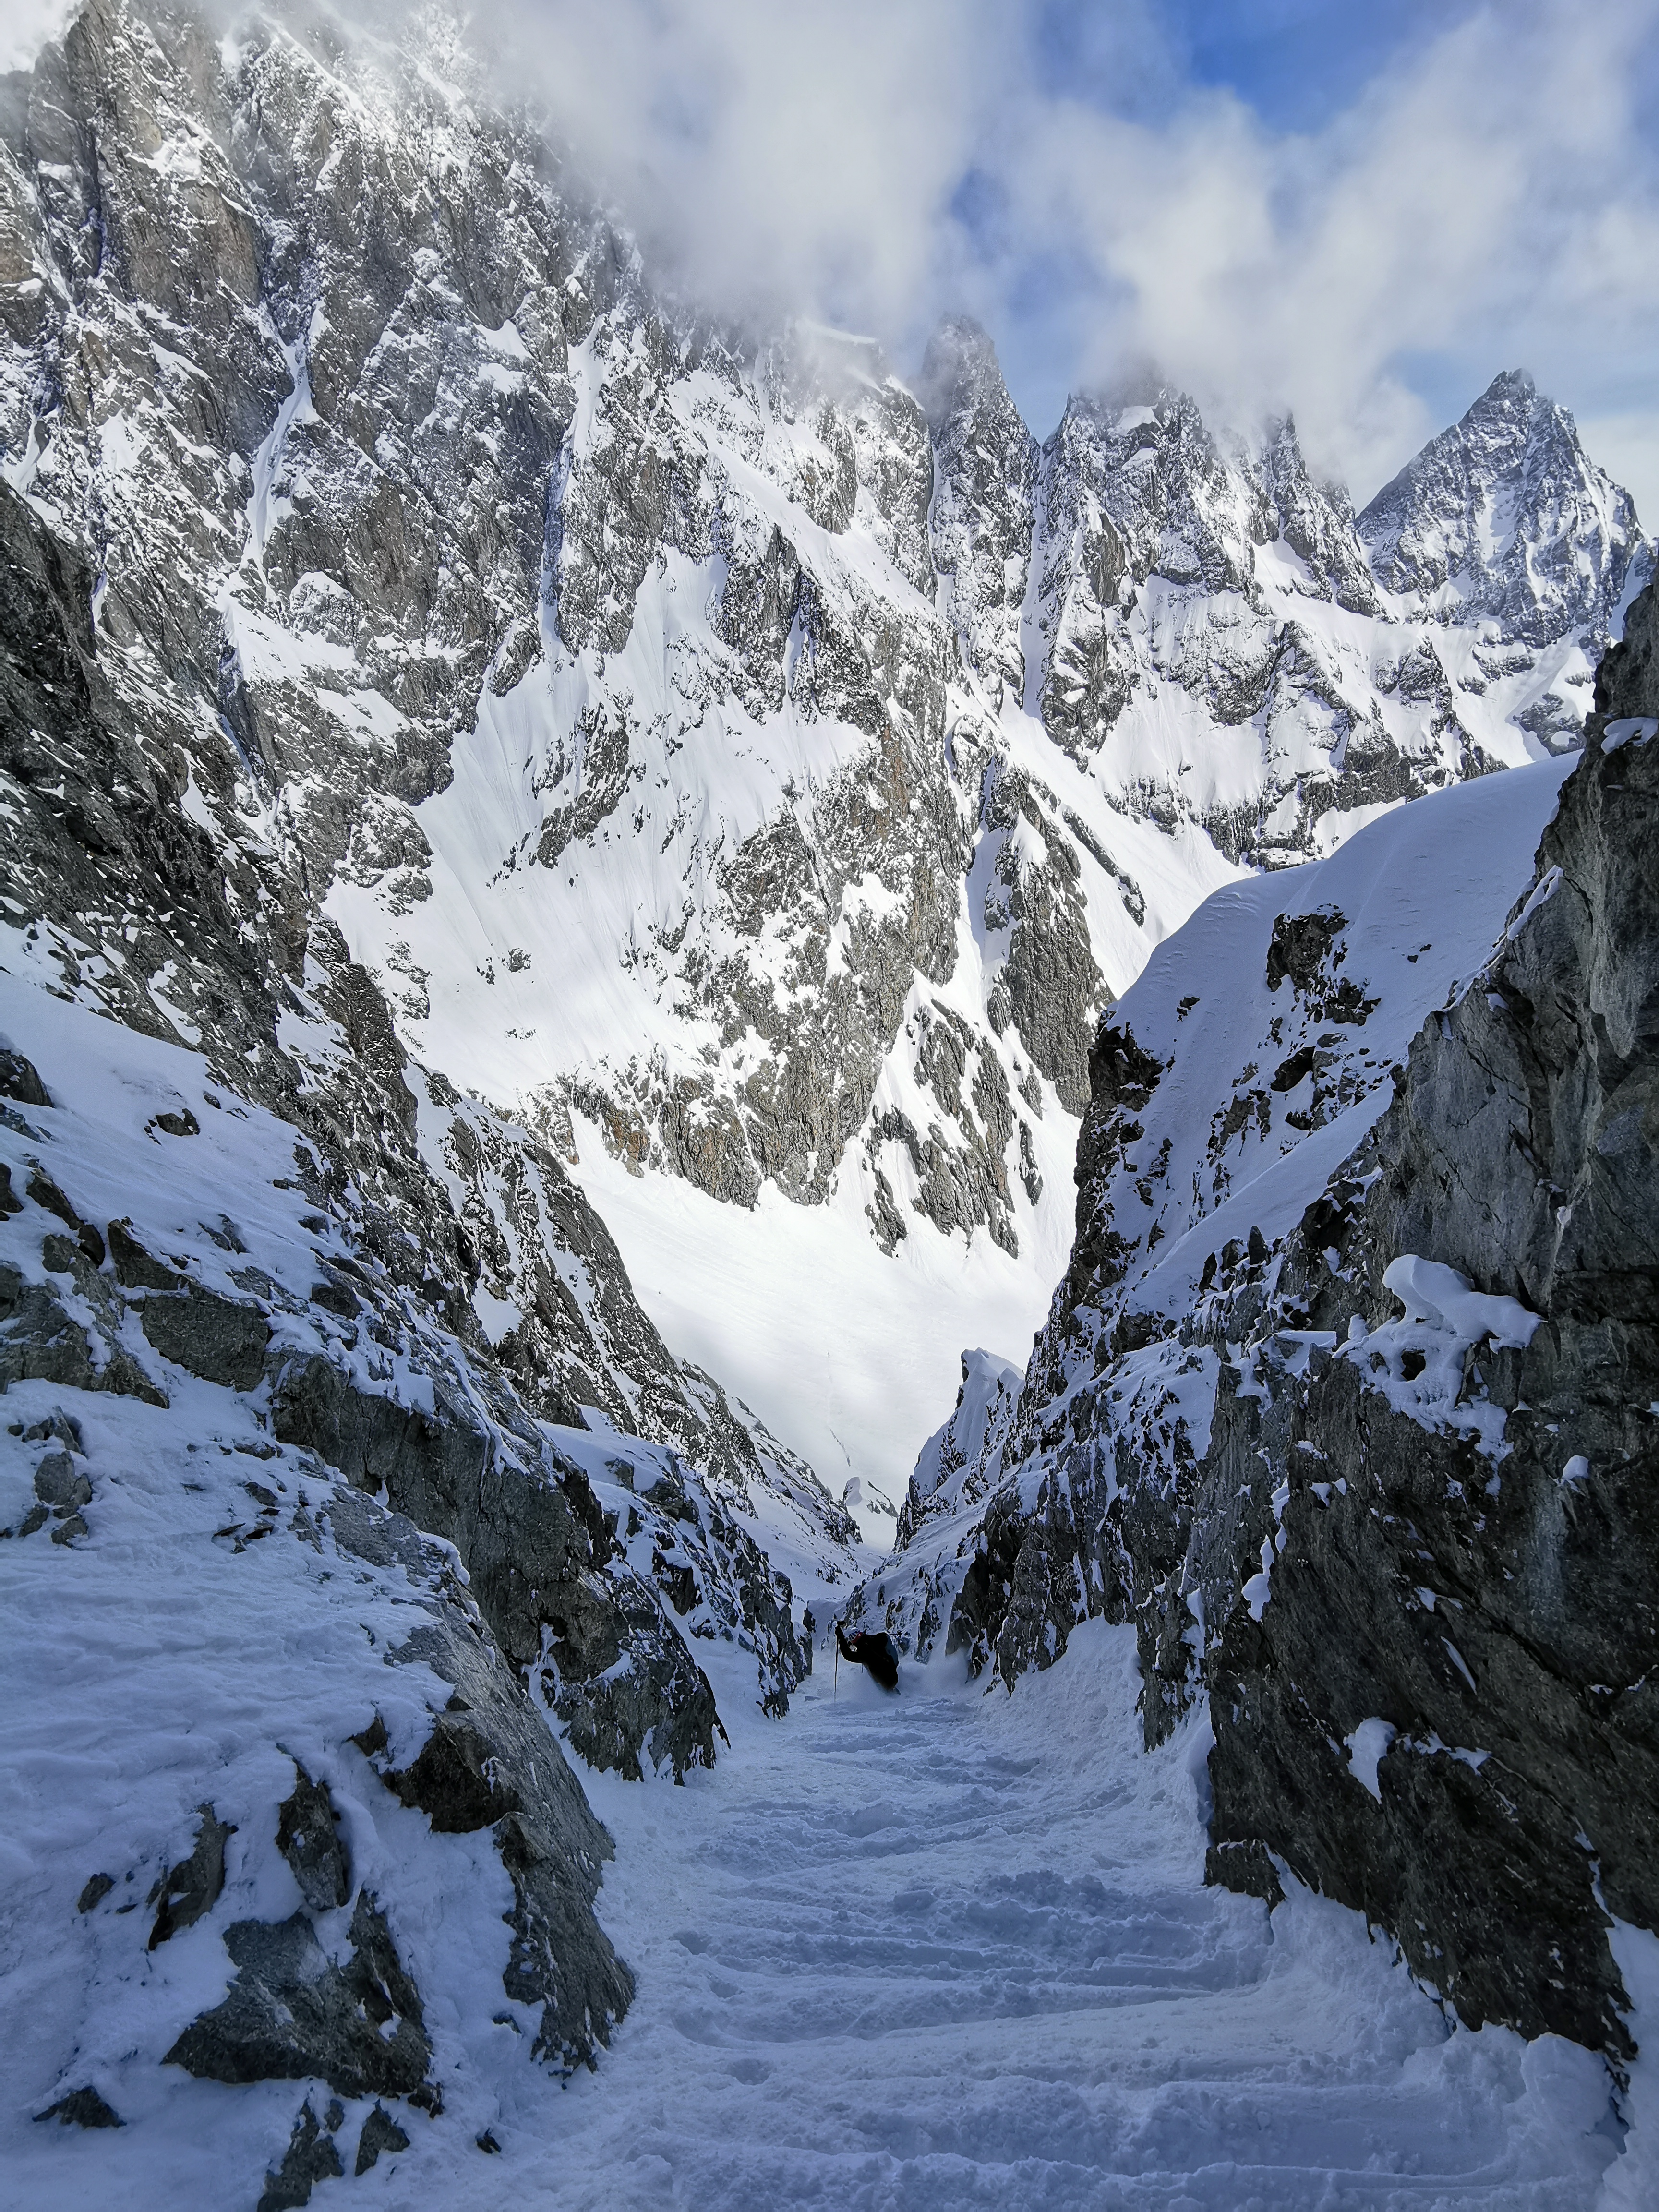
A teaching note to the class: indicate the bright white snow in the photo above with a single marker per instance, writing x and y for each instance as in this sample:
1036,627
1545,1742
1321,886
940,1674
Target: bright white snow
951,1949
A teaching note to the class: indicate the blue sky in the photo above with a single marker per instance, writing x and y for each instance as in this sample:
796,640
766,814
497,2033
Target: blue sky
1296,69
1293,61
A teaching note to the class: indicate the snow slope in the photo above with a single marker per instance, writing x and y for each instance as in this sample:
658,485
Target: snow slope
949,1950
844,1352
1406,913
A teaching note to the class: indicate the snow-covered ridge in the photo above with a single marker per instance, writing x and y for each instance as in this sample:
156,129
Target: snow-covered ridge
1248,1061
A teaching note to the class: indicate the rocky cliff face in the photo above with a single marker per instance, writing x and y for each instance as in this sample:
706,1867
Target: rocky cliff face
1470,1481
1242,1068
448,1237
246,1236
1346,1398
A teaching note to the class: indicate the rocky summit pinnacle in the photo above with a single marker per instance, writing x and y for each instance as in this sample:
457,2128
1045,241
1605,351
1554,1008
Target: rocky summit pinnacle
1505,517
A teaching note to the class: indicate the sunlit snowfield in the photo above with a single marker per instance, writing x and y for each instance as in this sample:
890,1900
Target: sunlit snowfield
851,1358
952,1950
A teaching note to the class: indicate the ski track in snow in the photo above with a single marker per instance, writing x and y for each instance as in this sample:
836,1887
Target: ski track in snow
954,1950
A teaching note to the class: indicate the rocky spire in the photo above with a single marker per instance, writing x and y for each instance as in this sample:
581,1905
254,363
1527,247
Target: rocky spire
1504,516
985,461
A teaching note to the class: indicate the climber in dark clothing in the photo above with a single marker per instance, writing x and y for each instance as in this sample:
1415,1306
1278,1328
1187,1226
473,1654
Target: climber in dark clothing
871,1649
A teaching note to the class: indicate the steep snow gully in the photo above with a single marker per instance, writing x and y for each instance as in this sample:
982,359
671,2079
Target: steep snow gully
955,1950
577,894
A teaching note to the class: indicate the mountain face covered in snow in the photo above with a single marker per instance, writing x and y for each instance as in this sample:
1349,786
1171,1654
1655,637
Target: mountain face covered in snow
275,1296
712,750
341,1472
1501,518
467,724
1348,1398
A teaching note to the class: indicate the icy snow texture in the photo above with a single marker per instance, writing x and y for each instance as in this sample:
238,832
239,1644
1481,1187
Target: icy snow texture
947,1950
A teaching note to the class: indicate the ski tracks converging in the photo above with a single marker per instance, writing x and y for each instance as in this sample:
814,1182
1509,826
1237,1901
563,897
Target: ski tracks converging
953,1949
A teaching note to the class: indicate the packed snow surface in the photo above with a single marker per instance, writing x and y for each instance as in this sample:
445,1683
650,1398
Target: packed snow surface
951,1949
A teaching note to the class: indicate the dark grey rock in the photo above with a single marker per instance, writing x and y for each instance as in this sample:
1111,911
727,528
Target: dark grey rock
58,1424
311,2157
96,1889
193,1886
1627,680
308,1839
19,1080
59,1483
135,1269
217,1339
82,2108
381,2133
1520,1150
1299,945
43,1344
293,2012
491,1762
538,1554
45,1192
1245,1867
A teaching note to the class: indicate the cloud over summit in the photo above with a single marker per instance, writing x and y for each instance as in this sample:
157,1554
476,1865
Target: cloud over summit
1486,197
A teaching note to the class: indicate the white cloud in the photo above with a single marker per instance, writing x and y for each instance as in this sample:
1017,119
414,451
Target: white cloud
786,154
1488,202
1627,446
25,27
1477,201
1491,200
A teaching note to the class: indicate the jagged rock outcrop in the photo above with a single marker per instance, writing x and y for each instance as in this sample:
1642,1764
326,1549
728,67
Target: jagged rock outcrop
1464,1524
383,1785
1240,1069
1345,1399
985,482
